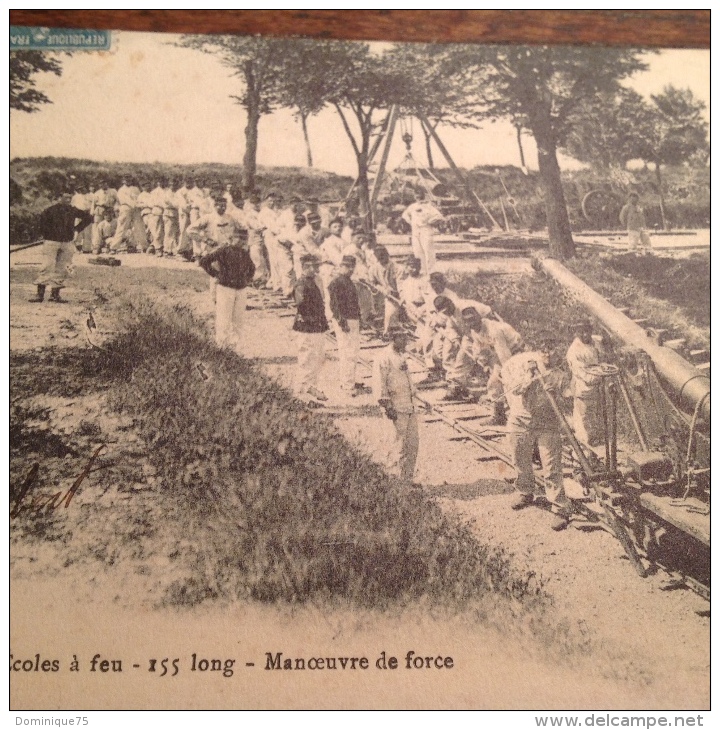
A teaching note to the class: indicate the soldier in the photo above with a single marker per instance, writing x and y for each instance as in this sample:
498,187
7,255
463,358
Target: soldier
394,391
234,273
331,251
581,355
417,297
535,424
358,249
144,205
490,343
155,218
171,219
308,241
256,246
127,196
106,230
268,219
346,316
310,326
422,216
58,226
383,276
453,348
82,201
105,198
217,229
632,217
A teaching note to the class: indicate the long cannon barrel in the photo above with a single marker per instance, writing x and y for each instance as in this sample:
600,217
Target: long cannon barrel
687,383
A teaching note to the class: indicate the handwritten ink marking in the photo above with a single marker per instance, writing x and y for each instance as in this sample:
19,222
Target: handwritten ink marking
53,501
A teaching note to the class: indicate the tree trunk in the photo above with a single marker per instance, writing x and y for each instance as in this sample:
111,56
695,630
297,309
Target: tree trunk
363,188
303,122
251,137
658,177
518,129
562,245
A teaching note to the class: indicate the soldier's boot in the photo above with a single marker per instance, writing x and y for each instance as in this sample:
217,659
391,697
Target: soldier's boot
40,296
55,296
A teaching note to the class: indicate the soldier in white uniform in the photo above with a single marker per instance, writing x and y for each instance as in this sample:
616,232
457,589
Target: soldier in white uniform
256,246
417,297
393,389
127,196
581,355
144,206
422,216
331,251
171,219
268,218
155,218
105,198
83,200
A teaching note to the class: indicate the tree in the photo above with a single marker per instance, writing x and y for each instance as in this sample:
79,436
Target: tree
429,90
362,87
259,63
672,131
604,129
304,82
24,65
540,87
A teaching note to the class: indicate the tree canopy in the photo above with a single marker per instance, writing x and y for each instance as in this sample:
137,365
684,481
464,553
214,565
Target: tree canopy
24,65
539,88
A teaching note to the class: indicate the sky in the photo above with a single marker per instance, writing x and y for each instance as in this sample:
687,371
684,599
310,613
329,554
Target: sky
148,100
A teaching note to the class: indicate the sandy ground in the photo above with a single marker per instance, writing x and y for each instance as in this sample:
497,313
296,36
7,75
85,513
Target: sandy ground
659,643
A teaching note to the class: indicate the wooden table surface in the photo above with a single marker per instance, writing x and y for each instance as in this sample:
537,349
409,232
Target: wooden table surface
661,28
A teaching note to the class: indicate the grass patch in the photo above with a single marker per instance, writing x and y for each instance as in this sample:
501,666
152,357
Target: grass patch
259,498
670,293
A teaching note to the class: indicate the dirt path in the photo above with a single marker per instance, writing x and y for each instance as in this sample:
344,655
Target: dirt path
653,649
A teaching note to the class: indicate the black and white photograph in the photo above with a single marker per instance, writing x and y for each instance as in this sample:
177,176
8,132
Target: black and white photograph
358,375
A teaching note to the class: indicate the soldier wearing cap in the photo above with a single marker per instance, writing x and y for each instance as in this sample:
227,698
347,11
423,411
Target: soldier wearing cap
345,308
82,200
383,276
58,225
105,198
217,229
310,326
422,217
331,249
417,297
534,424
268,218
394,391
127,220
144,207
581,356
233,269
155,218
256,246
308,240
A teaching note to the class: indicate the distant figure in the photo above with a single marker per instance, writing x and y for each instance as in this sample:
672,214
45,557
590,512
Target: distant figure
58,227
633,218
422,216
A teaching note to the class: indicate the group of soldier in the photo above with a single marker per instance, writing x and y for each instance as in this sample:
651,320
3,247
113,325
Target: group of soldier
338,277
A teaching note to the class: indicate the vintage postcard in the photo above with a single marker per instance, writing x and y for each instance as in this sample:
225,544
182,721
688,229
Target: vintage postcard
358,376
